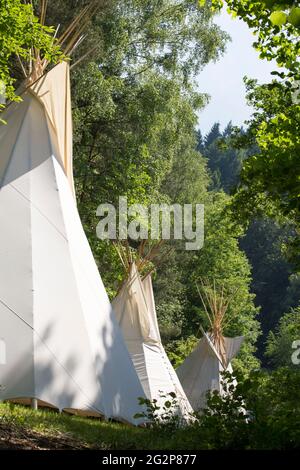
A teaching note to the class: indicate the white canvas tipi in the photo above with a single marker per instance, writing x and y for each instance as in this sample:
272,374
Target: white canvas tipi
136,314
202,371
59,340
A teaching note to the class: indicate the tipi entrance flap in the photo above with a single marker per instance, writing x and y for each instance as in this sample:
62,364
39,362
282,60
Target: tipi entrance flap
200,373
212,349
131,309
150,302
232,346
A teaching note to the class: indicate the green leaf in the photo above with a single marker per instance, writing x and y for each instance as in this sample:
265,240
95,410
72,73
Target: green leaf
278,18
294,16
269,3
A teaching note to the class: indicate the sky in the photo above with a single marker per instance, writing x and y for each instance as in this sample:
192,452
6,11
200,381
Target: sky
223,81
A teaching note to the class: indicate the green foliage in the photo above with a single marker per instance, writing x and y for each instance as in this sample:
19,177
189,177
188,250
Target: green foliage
179,349
292,295
223,424
20,31
273,403
294,16
221,259
266,242
173,37
135,114
162,414
269,179
223,159
170,291
131,142
278,18
279,345
276,26
262,412
276,289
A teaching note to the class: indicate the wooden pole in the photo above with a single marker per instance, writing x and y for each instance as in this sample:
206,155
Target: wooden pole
34,403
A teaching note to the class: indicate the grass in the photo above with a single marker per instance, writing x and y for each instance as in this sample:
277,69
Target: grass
91,433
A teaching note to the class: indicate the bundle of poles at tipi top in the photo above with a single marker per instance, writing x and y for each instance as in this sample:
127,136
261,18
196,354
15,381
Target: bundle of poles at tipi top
66,42
147,256
215,302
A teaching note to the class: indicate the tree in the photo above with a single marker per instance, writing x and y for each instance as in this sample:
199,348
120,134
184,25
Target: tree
129,37
279,348
20,32
263,244
276,24
222,260
134,104
292,295
224,160
271,402
269,179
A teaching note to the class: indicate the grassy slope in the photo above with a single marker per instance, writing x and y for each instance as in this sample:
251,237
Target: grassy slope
51,428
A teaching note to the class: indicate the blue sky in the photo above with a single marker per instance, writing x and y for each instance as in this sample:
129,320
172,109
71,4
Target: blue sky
223,81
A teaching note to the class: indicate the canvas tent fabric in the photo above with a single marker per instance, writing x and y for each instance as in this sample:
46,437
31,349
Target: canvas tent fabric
202,369
53,91
136,314
60,340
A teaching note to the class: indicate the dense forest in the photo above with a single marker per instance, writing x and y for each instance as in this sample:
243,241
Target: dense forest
135,104
274,279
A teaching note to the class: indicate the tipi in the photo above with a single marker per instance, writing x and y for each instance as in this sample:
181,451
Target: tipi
60,343
136,314
202,371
